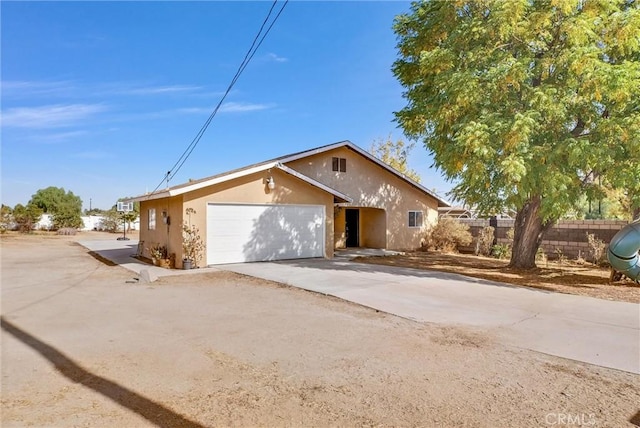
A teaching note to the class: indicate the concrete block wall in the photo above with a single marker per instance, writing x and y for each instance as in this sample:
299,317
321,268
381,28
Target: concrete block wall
570,236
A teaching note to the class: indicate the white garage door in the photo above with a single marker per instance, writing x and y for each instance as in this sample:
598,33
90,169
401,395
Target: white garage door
248,233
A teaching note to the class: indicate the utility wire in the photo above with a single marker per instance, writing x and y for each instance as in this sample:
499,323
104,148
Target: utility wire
235,78
233,82
247,58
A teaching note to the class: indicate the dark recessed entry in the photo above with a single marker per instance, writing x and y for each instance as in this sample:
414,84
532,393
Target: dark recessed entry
352,220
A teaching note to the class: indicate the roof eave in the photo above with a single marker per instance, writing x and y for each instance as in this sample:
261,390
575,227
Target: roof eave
202,184
350,145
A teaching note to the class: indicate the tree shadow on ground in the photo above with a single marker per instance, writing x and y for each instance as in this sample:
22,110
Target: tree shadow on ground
148,409
357,265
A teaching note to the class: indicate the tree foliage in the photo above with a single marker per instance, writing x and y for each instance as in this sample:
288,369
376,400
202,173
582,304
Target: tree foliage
94,211
6,218
26,217
395,154
522,103
65,207
614,204
111,220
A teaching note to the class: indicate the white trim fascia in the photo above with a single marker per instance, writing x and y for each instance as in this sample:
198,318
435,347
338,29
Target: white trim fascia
148,197
223,178
367,155
202,184
279,163
314,182
315,151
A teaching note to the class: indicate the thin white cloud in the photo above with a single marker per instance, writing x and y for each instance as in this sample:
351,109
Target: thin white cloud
233,107
23,88
230,107
156,90
193,110
72,89
274,57
93,155
51,116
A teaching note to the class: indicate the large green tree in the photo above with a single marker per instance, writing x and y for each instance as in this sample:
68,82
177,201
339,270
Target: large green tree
523,102
65,207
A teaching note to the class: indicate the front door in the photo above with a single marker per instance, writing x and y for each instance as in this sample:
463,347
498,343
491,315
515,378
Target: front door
352,218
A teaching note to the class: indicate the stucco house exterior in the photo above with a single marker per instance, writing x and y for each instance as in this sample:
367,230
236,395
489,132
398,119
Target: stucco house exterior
300,205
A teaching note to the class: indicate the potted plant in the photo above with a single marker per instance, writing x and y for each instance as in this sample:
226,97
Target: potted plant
159,256
192,244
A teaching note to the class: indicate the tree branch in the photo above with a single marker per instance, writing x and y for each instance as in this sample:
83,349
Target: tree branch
578,129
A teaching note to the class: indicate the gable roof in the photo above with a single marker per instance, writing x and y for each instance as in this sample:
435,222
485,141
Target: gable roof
237,173
278,163
348,144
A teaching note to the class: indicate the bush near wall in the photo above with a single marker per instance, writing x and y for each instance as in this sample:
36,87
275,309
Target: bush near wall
567,236
449,235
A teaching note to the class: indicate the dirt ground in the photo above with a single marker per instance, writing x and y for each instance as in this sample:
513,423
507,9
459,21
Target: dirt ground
85,344
568,277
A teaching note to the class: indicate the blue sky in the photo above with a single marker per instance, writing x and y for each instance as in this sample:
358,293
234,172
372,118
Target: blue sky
101,98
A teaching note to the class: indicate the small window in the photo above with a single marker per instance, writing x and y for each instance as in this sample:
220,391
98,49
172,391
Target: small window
152,219
339,164
415,218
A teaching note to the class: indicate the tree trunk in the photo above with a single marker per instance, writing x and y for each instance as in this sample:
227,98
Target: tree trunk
528,233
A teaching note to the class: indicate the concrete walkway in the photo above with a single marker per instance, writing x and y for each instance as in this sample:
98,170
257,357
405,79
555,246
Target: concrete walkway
123,252
585,329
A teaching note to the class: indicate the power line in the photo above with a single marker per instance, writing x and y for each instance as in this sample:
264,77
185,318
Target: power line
247,58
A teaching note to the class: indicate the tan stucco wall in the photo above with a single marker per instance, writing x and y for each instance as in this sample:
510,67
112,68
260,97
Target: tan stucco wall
373,186
170,234
373,226
339,232
252,189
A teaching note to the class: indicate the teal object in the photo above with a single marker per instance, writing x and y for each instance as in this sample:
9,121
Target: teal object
623,251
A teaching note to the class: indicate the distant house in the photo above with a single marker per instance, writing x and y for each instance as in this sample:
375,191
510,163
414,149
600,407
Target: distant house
296,206
455,212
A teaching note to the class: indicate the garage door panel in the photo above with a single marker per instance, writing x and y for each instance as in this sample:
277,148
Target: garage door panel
241,233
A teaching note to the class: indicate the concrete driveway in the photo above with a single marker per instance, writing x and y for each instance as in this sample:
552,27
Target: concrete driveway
585,329
580,328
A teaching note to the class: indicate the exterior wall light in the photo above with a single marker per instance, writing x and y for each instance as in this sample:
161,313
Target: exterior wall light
271,183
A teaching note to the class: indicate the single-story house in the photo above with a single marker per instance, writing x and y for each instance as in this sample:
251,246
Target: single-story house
300,205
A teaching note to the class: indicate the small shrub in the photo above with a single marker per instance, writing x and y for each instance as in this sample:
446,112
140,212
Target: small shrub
501,251
596,247
192,243
67,231
484,241
448,235
541,256
111,221
560,257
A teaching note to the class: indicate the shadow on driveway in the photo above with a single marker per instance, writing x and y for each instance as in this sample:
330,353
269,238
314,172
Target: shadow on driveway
352,265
